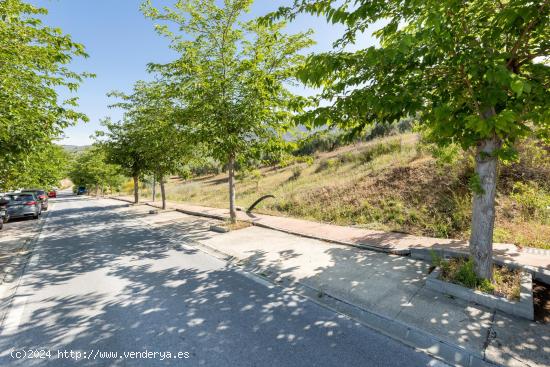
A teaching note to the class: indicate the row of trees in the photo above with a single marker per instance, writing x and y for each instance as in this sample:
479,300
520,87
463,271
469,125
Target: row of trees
33,69
473,72
226,96
90,169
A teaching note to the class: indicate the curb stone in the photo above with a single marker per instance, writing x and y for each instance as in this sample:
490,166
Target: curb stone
521,308
539,273
402,332
364,246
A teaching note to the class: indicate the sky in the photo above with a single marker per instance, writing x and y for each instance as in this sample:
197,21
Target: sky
121,42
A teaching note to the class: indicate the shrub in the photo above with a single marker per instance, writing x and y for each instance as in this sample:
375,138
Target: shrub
289,160
534,203
323,141
533,164
377,150
128,187
327,164
296,173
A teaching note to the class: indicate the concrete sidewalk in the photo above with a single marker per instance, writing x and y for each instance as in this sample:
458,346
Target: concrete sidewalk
534,260
385,291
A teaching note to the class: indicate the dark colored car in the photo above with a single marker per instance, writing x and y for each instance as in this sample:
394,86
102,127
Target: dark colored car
40,195
52,194
81,190
24,204
3,211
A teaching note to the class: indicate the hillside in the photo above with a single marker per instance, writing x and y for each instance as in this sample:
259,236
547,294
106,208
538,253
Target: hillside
75,148
392,184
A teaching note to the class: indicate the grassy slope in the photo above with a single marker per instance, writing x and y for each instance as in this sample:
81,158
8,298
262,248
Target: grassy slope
400,188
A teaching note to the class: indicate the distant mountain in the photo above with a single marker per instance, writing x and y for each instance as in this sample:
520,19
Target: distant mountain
75,148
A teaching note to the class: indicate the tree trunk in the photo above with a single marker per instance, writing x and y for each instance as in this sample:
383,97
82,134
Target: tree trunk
96,191
483,211
162,192
154,188
136,189
231,169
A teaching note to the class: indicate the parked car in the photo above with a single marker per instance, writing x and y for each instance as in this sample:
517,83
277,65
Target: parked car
41,195
3,211
24,204
52,194
81,190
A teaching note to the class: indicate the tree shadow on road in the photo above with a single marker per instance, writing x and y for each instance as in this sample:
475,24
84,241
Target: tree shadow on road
101,281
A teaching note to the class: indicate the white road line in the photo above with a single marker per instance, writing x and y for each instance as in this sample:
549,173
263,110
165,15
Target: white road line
19,303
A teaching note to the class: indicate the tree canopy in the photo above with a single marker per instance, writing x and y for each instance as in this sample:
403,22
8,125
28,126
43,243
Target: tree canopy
166,142
33,68
231,76
90,169
475,72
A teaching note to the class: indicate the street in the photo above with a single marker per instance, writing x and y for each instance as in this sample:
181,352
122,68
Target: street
102,289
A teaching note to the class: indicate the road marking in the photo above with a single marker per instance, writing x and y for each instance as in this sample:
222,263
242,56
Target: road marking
15,315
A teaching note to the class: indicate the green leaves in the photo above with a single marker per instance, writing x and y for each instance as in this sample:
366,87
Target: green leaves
91,169
231,77
469,67
33,61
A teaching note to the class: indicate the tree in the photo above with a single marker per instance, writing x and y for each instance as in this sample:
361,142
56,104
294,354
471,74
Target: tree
122,144
231,76
33,68
91,170
44,167
472,69
166,142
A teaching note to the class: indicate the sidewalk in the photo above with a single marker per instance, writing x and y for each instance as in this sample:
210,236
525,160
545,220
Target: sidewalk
537,262
384,291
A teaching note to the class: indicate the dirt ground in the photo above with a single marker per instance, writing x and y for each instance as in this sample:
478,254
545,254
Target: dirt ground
541,295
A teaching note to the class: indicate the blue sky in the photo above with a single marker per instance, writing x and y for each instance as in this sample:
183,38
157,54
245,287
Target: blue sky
121,42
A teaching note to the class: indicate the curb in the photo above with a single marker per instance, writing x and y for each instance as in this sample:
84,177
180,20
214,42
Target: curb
520,308
411,336
538,273
16,269
363,246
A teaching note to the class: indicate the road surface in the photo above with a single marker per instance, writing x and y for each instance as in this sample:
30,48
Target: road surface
101,289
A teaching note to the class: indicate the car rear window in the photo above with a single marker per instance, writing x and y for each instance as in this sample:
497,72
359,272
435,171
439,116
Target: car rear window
22,197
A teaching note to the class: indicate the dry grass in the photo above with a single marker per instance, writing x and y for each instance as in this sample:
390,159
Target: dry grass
506,282
403,190
237,225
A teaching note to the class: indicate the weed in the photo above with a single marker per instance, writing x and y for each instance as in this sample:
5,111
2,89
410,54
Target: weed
327,164
396,190
534,203
296,173
379,149
506,282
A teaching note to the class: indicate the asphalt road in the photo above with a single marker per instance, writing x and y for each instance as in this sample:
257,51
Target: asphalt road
101,286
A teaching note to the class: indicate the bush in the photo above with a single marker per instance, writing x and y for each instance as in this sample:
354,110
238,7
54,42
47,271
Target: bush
534,203
378,150
320,142
296,173
397,127
128,187
327,164
290,160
